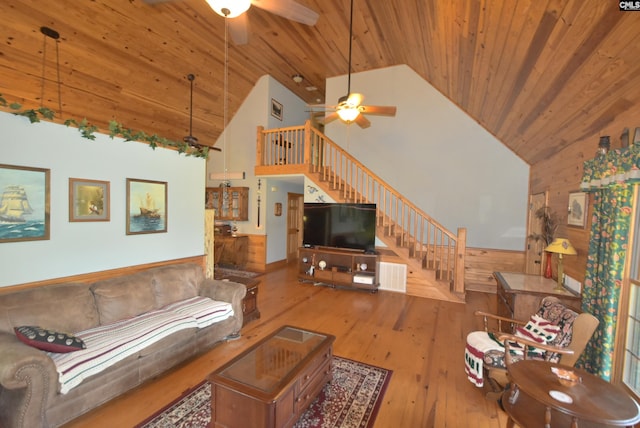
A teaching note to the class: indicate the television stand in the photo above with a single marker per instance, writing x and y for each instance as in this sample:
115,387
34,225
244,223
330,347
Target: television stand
339,267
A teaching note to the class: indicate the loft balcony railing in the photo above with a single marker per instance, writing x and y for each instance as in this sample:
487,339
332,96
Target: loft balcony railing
306,150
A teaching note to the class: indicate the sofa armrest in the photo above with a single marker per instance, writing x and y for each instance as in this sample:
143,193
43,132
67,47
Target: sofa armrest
14,356
223,291
27,380
226,291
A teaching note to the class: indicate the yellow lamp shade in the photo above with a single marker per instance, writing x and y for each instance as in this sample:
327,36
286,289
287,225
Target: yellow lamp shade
561,246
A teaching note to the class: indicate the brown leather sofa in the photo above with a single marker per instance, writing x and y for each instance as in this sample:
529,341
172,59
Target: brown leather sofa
29,385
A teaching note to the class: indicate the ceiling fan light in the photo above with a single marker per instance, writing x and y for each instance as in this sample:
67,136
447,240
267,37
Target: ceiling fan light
229,8
348,114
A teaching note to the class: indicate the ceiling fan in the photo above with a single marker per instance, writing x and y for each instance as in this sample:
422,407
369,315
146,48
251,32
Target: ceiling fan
350,108
190,139
235,10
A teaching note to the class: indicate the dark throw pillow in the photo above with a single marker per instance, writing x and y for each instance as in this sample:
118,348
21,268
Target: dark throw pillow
48,340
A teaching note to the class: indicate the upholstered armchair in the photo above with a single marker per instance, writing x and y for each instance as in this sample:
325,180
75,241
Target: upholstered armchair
555,333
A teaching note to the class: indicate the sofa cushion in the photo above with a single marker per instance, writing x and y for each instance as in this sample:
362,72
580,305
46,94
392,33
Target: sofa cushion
175,283
124,297
49,340
63,307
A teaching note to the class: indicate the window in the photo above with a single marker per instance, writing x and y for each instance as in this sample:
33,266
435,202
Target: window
629,314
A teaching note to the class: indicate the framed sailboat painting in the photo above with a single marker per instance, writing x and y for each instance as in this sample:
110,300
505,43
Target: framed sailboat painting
146,206
24,203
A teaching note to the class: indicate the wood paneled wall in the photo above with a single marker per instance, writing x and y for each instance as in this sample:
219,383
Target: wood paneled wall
256,259
480,263
560,174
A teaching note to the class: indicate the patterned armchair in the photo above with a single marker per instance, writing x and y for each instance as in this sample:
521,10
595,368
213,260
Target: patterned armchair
555,333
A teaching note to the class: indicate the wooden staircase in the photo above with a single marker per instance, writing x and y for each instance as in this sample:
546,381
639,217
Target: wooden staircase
434,256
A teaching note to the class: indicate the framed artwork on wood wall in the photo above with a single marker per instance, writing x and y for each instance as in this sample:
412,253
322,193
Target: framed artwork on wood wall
24,203
577,209
88,200
146,206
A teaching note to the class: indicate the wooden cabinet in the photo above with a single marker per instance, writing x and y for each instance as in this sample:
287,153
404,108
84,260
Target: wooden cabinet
338,267
519,294
231,250
237,207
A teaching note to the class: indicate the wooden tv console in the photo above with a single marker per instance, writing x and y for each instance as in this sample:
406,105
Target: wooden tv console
339,267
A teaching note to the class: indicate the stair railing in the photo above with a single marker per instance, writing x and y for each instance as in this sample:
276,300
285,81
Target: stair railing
309,150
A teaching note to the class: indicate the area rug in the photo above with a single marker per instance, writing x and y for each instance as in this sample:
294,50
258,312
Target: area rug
224,272
351,400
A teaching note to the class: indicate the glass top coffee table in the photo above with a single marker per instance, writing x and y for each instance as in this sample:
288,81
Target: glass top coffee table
274,381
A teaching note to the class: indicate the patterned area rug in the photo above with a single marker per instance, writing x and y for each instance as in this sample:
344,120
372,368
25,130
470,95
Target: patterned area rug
224,272
351,400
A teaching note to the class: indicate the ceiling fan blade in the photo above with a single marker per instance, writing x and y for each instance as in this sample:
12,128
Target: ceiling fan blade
239,29
379,110
330,117
321,108
156,1
362,121
289,9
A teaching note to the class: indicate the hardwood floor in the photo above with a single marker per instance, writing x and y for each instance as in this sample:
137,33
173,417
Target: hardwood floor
421,340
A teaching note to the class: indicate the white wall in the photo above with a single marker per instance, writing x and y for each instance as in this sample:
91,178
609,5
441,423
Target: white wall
240,155
436,155
82,247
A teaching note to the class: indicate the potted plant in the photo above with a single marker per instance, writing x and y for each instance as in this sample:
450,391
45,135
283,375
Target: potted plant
549,226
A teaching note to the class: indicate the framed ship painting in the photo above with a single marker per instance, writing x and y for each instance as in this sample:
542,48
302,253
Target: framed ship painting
88,200
24,203
146,206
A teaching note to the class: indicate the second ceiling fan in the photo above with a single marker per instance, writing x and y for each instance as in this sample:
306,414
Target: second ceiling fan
349,108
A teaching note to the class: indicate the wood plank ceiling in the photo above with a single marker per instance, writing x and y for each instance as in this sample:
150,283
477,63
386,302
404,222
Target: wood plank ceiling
537,74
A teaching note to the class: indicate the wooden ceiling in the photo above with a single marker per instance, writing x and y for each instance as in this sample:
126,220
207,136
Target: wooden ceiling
537,74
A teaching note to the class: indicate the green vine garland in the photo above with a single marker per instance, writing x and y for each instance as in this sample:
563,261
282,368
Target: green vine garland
88,130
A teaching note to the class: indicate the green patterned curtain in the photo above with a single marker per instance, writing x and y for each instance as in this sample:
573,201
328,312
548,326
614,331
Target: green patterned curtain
611,180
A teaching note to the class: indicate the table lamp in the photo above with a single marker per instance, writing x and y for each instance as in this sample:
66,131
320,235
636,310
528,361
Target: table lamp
560,246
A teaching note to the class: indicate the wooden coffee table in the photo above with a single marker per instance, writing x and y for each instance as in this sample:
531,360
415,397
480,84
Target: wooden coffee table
272,383
537,398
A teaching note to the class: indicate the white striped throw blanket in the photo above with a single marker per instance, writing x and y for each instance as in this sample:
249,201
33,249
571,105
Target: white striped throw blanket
108,344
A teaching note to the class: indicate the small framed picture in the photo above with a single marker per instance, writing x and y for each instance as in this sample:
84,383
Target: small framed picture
146,206
577,209
278,209
88,200
24,203
276,109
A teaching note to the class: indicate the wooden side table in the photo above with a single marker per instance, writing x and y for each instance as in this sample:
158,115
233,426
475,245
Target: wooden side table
519,294
250,310
537,398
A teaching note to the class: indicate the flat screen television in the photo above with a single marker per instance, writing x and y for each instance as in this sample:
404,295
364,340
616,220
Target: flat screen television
338,225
